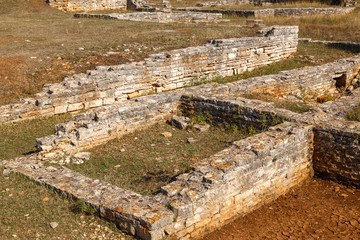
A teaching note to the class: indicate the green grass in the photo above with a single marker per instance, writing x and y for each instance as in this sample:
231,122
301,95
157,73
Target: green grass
353,114
24,214
20,138
298,107
146,160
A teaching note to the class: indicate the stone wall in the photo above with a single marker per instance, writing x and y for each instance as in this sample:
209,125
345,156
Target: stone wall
87,5
159,72
233,182
157,16
336,154
229,184
101,124
223,2
239,179
276,11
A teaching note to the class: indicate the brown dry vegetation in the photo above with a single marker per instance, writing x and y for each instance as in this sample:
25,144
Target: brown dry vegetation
39,44
334,27
145,160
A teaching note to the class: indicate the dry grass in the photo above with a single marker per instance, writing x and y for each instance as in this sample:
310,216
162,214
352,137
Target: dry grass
20,138
334,27
39,44
353,114
24,215
146,160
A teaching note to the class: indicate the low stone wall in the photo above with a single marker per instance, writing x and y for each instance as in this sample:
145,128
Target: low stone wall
160,72
86,5
332,43
223,2
239,179
336,154
333,77
156,16
235,181
311,11
101,124
276,11
92,5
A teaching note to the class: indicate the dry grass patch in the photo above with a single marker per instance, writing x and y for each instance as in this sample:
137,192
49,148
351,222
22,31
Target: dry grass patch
335,27
353,114
20,138
145,160
39,44
24,214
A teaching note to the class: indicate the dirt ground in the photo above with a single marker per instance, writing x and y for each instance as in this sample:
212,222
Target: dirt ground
317,209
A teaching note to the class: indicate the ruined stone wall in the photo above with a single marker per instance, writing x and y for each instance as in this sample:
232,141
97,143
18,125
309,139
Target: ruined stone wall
336,155
231,183
87,5
311,11
223,2
160,72
276,11
239,179
102,124
163,17
325,79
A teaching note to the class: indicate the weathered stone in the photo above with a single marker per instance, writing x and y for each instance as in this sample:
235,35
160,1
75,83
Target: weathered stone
202,127
180,122
159,72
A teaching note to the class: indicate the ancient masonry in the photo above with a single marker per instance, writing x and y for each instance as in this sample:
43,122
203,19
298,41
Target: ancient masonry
164,17
277,11
232,182
159,72
91,5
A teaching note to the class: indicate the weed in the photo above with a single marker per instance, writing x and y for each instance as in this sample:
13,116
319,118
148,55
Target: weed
252,130
81,207
353,114
201,118
20,138
168,205
274,159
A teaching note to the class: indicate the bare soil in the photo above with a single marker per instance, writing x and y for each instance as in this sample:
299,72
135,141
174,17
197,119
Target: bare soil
317,209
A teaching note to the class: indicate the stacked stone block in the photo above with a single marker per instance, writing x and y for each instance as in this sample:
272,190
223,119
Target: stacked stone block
163,17
159,72
87,5
276,11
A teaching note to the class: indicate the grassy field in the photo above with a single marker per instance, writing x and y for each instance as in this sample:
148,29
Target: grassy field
334,27
39,44
146,160
20,138
24,215
353,114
